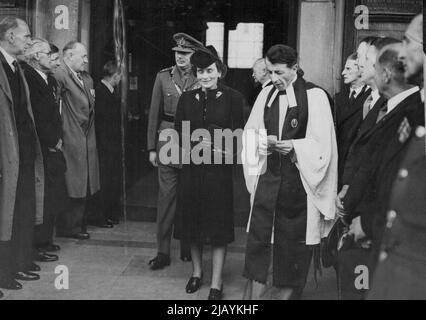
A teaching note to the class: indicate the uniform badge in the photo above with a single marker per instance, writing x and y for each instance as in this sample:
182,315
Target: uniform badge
218,94
294,123
197,96
92,92
404,130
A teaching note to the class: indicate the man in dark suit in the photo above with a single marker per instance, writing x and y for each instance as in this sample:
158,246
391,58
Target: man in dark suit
45,105
380,153
21,162
348,109
108,139
401,269
367,53
370,110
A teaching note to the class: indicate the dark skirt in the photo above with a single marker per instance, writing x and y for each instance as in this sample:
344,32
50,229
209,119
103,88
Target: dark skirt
204,211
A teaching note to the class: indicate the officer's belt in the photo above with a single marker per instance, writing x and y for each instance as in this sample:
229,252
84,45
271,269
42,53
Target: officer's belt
168,118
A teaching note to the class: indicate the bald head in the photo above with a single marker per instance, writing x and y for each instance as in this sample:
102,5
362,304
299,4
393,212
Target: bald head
389,71
412,54
75,56
260,74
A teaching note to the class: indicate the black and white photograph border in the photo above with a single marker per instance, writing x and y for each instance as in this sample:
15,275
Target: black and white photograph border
306,120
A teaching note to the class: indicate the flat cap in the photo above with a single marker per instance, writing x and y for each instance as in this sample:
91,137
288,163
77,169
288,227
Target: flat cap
186,43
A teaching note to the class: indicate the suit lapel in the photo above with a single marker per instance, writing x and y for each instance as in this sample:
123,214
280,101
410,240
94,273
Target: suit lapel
37,77
356,105
88,93
74,78
397,110
370,121
26,93
4,81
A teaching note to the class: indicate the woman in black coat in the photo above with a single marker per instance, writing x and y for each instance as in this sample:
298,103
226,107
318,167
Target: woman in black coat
205,191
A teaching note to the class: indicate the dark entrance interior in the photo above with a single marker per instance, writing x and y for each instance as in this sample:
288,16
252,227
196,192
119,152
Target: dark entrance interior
150,26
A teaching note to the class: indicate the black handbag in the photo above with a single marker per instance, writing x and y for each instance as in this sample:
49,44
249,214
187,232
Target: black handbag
338,239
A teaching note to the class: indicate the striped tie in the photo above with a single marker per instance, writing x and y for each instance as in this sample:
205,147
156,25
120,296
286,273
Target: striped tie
366,107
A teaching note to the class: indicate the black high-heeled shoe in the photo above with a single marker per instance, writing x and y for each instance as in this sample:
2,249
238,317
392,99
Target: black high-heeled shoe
216,294
194,284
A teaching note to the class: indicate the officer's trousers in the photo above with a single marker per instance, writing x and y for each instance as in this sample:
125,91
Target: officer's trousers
166,208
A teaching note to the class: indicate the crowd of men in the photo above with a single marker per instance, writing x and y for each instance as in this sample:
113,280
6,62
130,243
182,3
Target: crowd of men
53,174
354,171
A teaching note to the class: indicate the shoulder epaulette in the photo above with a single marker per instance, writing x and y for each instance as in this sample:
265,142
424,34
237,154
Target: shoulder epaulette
166,69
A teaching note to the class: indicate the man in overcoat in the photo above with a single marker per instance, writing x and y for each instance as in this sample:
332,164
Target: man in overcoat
45,106
21,162
82,174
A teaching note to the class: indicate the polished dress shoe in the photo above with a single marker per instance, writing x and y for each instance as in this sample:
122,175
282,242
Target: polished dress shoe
159,262
215,294
113,221
194,284
50,248
101,224
185,257
45,257
78,235
106,225
10,284
26,276
34,267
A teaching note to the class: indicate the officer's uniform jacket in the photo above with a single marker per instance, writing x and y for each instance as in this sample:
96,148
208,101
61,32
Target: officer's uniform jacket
167,90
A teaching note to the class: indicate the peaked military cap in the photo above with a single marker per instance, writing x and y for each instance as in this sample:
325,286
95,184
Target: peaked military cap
186,43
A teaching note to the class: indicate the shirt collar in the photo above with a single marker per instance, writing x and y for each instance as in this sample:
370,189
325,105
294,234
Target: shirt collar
357,91
108,85
42,74
396,100
266,83
375,94
9,58
75,73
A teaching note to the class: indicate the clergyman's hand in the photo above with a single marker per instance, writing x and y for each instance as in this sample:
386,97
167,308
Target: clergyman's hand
284,147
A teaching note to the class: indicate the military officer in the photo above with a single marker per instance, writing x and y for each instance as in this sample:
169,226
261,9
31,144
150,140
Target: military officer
168,87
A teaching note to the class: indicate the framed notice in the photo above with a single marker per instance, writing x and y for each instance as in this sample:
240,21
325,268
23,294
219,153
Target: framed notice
392,10
8,4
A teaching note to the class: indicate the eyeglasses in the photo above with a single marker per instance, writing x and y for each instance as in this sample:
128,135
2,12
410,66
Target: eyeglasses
47,53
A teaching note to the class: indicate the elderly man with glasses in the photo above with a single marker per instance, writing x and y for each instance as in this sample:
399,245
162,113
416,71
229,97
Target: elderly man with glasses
45,105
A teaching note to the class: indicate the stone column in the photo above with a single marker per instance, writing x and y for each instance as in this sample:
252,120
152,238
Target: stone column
320,42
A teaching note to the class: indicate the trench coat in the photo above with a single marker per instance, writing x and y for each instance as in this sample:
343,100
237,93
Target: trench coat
78,116
9,158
